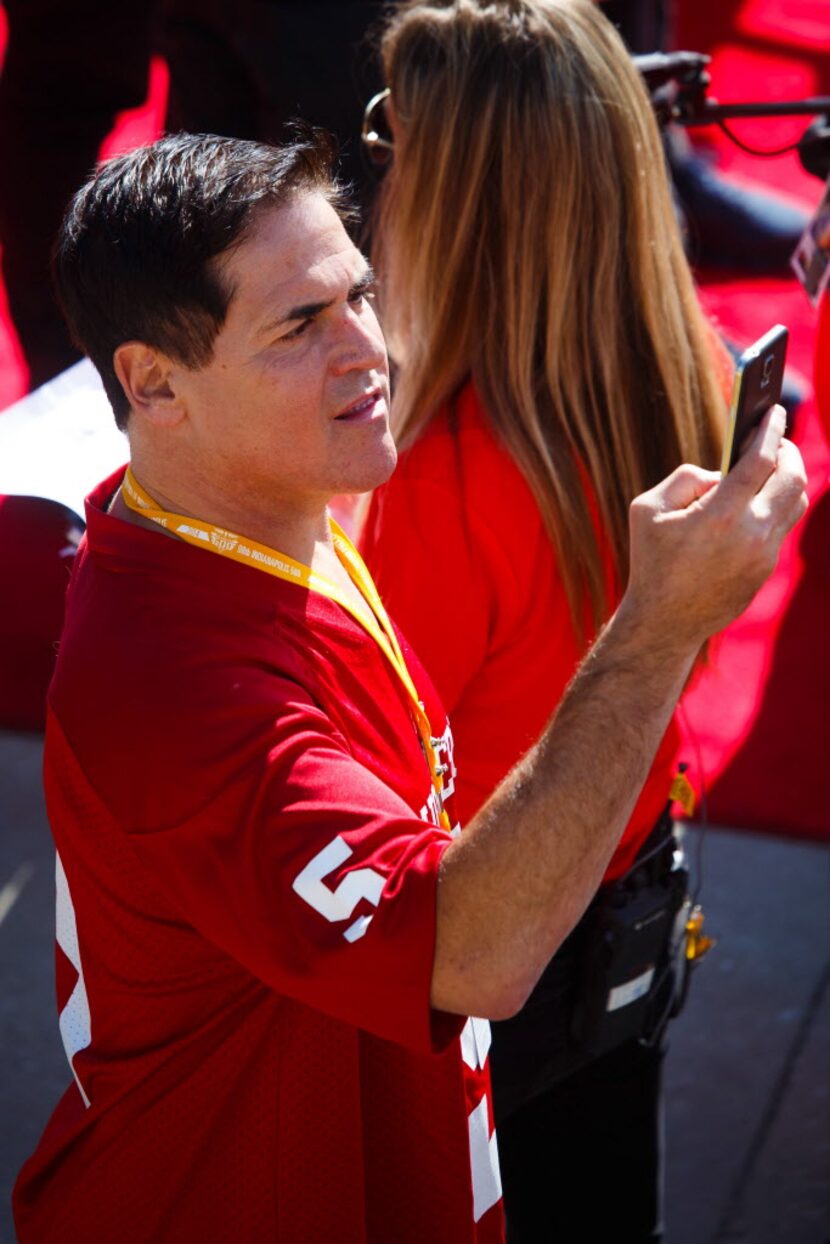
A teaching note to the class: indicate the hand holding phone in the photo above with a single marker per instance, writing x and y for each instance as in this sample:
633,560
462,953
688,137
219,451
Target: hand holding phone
758,379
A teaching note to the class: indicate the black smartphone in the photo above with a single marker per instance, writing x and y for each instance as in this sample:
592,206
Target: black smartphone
758,379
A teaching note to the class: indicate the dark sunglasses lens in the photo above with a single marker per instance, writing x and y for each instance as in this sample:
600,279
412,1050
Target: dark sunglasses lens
377,154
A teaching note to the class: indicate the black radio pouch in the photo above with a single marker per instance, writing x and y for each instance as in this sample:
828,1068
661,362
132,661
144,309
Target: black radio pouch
631,947
621,974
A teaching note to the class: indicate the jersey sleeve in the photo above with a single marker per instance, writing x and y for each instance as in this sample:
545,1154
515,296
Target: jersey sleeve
309,871
448,569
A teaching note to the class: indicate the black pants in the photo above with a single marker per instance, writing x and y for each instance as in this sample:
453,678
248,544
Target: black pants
582,1162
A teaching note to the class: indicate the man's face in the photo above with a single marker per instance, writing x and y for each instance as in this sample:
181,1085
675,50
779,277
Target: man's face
293,406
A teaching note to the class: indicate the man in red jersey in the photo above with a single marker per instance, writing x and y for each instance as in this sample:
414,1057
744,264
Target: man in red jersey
269,938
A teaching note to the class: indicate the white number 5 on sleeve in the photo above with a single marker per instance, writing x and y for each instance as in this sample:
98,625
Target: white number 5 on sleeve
338,904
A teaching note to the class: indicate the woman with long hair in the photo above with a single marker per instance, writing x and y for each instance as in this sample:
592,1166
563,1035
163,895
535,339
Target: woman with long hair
552,363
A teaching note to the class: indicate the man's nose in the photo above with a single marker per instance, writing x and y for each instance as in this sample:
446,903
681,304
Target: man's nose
360,345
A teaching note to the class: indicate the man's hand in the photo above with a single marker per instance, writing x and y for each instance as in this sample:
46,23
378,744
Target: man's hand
701,546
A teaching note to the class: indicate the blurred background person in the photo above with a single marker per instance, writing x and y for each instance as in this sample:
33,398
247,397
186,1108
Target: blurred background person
553,361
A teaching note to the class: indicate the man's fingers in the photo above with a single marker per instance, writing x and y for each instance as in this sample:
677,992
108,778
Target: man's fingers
783,495
725,533
757,464
677,492
789,474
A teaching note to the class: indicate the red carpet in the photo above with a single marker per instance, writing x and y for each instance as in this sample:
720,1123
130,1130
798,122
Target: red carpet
758,717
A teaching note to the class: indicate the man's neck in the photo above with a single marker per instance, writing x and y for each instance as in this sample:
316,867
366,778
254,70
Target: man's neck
300,533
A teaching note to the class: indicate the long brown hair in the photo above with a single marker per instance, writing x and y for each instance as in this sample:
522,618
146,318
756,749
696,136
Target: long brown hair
527,239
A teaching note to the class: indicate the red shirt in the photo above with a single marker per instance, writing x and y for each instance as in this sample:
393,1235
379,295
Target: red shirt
246,923
480,597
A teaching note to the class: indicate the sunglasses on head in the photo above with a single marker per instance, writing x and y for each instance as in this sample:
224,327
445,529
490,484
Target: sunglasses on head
376,133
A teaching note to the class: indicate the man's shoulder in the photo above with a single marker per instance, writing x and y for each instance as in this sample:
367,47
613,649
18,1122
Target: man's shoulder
162,674
142,630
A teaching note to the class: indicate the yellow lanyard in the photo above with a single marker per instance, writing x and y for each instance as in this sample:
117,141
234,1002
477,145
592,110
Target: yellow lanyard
240,549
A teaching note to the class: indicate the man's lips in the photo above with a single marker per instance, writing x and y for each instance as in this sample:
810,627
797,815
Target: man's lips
370,406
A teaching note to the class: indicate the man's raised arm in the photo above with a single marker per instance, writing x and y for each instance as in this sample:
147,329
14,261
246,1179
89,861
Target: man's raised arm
520,875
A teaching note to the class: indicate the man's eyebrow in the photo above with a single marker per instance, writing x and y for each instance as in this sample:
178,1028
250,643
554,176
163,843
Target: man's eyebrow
362,284
307,310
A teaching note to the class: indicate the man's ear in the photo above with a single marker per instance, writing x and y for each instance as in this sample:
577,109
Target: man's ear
145,376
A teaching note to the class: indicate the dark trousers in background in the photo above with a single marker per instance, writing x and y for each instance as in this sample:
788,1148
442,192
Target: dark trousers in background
240,68
645,25
582,1162
69,69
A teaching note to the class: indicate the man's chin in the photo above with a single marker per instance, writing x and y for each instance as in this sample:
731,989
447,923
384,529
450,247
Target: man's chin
389,463
376,470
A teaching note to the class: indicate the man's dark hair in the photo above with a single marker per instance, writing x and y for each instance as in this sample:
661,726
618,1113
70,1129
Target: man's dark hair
133,258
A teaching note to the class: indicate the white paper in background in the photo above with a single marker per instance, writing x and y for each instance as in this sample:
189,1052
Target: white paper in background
61,440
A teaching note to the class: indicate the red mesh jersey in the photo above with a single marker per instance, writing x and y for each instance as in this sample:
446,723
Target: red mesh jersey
246,920
478,551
